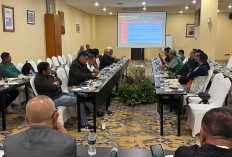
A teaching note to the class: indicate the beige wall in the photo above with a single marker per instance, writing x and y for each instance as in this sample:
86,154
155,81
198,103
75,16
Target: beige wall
28,41
106,28
224,37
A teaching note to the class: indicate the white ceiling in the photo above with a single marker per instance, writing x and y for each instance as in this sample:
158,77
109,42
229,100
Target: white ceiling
171,6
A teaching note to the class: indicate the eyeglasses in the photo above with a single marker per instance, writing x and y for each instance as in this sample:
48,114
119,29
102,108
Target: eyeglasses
197,55
54,113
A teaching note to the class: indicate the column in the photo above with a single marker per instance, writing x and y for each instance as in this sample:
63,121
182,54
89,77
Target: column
205,33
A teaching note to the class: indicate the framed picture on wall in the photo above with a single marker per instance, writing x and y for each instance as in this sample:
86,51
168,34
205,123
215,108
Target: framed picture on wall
8,19
190,31
61,13
30,17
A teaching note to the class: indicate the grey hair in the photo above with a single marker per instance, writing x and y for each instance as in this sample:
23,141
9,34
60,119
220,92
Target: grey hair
172,51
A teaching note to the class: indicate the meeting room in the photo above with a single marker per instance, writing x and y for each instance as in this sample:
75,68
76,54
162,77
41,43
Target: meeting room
108,78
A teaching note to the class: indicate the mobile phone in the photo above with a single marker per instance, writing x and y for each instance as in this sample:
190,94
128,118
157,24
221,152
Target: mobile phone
157,151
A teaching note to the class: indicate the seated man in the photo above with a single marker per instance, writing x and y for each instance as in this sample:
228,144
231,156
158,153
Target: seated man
7,69
46,136
188,66
46,84
79,72
81,49
90,64
181,55
215,136
175,63
198,75
166,53
87,48
106,59
95,52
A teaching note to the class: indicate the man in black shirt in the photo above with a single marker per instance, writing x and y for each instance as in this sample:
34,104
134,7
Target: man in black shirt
166,53
188,66
78,71
106,59
215,136
46,84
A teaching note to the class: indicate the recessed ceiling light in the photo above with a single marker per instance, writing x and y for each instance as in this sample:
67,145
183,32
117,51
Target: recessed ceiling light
104,9
144,8
218,10
144,3
181,12
194,1
110,13
230,6
186,7
96,4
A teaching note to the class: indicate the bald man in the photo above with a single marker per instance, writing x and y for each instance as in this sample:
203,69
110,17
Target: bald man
77,53
46,137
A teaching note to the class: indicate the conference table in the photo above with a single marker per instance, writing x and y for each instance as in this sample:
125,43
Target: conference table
99,93
82,151
4,90
167,91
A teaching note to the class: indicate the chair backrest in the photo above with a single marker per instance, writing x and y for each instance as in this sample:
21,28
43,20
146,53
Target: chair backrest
55,61
39,61
33,85
229,64
49,61
213,88
222,90
185,60
19,66
67,70
62,75
70,58
33,65
75,55
64,59
60,60
210,73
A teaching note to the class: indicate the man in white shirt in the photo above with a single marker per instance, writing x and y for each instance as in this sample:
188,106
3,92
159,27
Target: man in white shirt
77,53
90,63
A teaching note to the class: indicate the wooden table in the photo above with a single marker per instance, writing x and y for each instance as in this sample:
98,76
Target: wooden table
4,90
161,93
100,95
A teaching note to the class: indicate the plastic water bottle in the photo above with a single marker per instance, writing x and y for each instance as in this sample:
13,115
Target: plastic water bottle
92,143
6,82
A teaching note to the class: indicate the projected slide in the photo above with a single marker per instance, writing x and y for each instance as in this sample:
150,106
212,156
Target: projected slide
141,30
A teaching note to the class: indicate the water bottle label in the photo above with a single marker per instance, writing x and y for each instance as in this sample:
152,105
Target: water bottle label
92,142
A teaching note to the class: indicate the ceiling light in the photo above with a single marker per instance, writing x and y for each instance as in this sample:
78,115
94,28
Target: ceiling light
218,10
144,3
96,4
110,13
230,6
181,12
194,1
186,7
104,9
144,8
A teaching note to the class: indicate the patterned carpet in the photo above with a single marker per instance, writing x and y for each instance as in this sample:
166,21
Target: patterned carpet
128,127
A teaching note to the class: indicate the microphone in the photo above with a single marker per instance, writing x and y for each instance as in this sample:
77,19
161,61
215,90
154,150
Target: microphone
114,152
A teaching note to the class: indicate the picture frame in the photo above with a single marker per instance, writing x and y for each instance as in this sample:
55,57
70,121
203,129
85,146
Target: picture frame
190,30
197,17
78,28
30,17
61,13
8,18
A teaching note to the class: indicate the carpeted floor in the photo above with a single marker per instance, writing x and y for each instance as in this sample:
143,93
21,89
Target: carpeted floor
128,127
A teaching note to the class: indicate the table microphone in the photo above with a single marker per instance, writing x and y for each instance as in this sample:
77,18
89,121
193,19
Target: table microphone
114,152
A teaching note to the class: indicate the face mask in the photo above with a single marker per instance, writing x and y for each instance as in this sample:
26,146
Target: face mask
178,55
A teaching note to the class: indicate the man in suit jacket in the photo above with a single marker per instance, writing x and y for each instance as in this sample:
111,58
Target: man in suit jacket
46,137
215,136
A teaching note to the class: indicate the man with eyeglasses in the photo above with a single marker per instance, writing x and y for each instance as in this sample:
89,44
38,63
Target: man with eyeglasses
46,136
79,72
106,59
